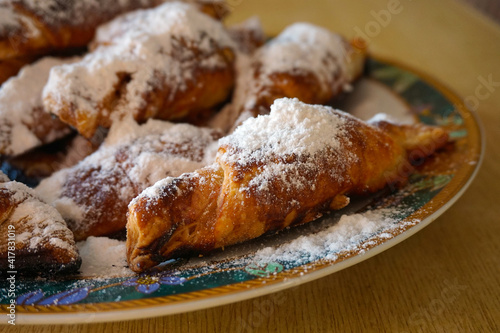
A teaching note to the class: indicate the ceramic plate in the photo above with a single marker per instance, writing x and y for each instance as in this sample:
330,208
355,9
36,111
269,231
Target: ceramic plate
298,255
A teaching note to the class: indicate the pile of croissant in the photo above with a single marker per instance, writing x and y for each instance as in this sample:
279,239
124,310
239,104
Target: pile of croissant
152,121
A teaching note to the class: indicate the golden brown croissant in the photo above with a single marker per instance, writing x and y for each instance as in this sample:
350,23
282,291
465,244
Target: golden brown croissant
93,195
304,61
274,171
35,235
30,27
24,123
167,62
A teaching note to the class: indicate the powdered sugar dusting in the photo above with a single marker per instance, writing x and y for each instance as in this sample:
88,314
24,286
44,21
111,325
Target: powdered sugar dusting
116,173
66,206
306,48
249,34
127,130
149,46
155,190
103,257
12,23
292,127
3,177
353,232
301,50
186,145
37,224
56,12
20,104
292,130
8,18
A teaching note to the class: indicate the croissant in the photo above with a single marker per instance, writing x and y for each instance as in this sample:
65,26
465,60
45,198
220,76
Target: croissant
274,171
39,27
10,67
168,62
41,162
24,123
249,35
93,195
304,61
35,235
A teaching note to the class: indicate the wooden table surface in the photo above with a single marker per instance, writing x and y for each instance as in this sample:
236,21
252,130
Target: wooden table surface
446,278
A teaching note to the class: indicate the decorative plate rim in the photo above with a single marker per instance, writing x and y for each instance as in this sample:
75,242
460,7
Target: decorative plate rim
197,300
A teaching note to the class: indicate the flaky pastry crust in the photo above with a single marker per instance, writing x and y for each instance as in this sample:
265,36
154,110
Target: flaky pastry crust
268,187
93,195
41,244
169,62
304,61
24,122
40,27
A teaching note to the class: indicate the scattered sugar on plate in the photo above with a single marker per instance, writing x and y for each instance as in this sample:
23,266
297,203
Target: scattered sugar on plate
103,257
353,232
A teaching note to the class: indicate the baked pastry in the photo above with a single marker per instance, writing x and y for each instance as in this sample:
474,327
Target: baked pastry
274,171
10,67
93,195
249,35
168,62
304,61
30,27
35,232
43,161
24,124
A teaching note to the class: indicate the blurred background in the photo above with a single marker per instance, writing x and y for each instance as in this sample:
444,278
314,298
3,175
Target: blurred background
490,8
